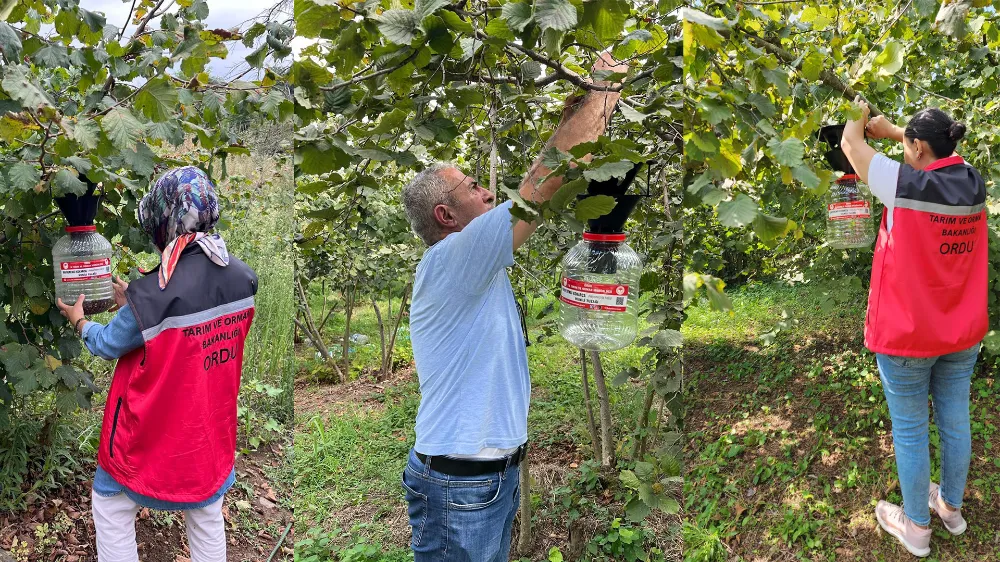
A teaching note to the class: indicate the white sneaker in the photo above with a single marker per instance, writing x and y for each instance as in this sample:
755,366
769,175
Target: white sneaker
895,522
953,520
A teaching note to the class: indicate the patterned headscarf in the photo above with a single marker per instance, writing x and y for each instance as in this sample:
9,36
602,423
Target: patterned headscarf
182,208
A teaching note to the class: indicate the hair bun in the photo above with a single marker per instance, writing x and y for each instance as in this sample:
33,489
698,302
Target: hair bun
956,131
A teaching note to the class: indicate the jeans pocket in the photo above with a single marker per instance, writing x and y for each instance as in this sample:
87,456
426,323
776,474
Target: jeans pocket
416,507
470,495
904,362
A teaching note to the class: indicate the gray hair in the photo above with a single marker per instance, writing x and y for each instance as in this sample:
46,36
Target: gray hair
425,191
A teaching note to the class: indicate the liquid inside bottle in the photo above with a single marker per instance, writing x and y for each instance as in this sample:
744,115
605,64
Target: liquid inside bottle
849,221
81,261
599,297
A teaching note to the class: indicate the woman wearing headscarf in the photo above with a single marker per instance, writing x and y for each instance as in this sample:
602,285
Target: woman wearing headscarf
926,308
168,439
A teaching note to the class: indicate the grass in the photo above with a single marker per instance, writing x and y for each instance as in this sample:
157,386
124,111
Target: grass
789,445
352,440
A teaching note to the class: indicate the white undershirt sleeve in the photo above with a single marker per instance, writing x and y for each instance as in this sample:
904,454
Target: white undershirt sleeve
883,178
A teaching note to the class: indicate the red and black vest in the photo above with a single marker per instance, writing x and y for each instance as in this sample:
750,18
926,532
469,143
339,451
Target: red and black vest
929,277
169,429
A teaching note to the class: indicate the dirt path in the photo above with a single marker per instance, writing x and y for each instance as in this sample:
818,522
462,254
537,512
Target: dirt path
257,511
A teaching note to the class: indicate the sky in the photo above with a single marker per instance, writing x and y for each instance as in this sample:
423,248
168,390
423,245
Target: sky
223,14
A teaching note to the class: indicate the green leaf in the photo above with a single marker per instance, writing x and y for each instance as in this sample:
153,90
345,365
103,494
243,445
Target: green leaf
256,58
667,339
610,170
555,14
788,152
398,26
439,37
87,132
701,18
812,65
637,510
594,206
890,60
10,43
498,28
629,479
24,176
555,555
51,56
318,157
517,14
121,127
424,8
644,471
65,182
631,114
740,211
157,100
440,129
94,20
19,87
607,17
456,22
714,111
805,175
567,192
771,228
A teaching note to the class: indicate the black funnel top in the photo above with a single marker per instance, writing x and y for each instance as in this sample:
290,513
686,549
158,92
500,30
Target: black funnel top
614,222
80,210
831,135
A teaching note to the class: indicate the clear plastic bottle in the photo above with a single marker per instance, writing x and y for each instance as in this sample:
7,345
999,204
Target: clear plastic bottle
600,293
849,215
81,261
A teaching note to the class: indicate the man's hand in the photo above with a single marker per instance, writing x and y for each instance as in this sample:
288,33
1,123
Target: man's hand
608,62
73,312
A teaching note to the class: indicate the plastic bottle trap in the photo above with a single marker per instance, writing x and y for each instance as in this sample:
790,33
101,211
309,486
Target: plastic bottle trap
600,278
848,207
81,259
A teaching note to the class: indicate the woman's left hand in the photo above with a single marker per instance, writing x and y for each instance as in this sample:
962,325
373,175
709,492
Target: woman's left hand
73,312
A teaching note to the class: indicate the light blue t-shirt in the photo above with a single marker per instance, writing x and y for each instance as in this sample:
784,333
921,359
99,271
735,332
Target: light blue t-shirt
467,342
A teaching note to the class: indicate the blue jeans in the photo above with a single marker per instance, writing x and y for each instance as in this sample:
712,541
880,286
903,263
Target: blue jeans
460,518
906,382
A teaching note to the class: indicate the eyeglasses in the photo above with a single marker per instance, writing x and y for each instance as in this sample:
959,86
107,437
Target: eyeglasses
524,325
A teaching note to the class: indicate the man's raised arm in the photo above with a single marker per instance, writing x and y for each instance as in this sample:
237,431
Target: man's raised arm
584,124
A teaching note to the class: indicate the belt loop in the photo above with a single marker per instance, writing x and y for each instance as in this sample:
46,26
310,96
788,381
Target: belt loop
427,465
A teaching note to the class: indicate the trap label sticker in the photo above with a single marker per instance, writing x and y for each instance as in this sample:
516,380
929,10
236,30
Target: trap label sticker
848,210
594,296
72,271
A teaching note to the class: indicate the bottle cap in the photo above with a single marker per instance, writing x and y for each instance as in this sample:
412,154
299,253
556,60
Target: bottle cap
595,237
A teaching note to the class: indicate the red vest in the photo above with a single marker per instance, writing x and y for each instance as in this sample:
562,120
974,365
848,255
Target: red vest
929,277
169,429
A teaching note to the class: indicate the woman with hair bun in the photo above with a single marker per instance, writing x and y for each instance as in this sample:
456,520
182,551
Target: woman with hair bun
926,308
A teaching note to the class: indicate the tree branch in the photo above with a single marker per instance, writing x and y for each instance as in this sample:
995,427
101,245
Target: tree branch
375,74
826,76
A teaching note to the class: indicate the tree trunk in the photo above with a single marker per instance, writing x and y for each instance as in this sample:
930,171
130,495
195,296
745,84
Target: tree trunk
345,352
395,328
642,425
595,438
607,436
381,335
524,538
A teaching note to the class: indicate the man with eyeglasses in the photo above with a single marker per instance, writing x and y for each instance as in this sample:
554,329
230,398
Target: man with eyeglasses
461,479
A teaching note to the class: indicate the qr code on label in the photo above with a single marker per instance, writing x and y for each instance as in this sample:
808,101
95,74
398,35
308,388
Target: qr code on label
620,301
